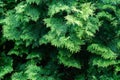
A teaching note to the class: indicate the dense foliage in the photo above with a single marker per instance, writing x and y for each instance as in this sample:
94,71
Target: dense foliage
59,39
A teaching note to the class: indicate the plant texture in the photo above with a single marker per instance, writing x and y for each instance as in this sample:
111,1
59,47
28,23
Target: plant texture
59,39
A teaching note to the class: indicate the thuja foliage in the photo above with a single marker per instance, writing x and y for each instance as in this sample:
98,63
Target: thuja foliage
59,39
